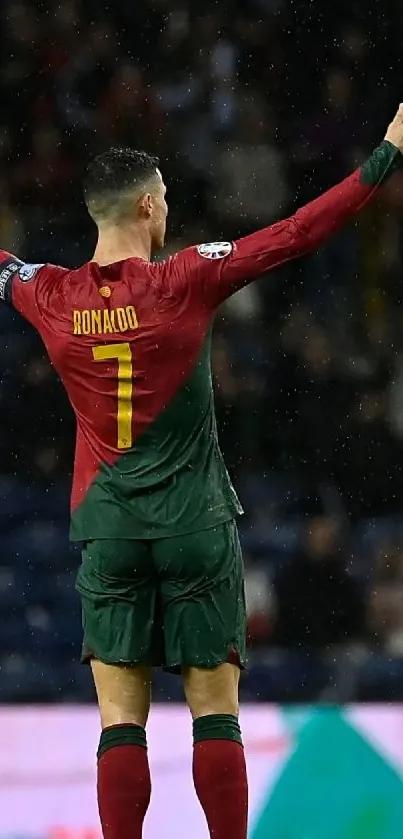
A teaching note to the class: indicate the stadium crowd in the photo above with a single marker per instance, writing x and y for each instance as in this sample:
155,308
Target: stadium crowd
253,107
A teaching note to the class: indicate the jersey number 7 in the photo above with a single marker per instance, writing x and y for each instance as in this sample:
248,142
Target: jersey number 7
123,354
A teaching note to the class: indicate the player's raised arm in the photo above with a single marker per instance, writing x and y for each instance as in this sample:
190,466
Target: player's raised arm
27,286
222,268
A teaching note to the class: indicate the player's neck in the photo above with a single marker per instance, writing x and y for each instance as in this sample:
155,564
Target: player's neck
117,243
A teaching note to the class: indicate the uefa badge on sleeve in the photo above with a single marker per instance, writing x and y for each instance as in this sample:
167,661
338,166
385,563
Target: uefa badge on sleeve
27,271
215,250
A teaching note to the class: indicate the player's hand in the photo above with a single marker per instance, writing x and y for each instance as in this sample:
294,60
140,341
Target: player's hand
395,130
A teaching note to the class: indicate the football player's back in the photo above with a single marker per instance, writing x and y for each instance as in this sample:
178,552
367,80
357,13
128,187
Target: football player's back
134,356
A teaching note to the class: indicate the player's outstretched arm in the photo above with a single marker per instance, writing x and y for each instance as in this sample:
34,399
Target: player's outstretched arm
220,269
317,221
28,287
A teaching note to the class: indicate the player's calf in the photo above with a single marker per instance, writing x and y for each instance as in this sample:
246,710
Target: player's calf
219,769
124,785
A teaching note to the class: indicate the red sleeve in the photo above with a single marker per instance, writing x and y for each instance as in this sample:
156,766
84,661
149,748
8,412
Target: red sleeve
28,287
215,271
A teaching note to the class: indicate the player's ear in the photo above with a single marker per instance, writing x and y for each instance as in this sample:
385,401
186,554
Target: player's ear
146,205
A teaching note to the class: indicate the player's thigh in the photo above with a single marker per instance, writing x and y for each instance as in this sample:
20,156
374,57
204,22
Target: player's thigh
123,693
118,591
203,602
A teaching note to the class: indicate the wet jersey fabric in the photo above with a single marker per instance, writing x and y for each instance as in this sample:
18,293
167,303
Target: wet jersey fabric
131,343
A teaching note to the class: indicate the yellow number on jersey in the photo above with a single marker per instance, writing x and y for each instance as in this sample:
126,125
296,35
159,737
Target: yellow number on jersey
123,354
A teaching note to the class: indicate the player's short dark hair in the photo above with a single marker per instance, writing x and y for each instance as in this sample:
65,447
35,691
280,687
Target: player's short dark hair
114,175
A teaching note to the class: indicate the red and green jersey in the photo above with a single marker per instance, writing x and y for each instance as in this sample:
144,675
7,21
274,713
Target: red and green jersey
131,343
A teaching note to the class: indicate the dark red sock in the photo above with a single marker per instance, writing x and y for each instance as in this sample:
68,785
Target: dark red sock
219,774
124,785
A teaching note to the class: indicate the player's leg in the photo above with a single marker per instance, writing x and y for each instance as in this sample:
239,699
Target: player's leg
219,769
205,624
118,598
124,784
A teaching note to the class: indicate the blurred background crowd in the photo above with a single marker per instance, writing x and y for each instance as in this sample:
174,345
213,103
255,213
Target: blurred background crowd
254,106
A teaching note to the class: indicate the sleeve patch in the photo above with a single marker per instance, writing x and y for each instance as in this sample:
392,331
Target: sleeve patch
27,271
11,268
215,250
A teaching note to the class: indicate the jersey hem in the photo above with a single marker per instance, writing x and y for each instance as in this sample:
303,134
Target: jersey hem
153,535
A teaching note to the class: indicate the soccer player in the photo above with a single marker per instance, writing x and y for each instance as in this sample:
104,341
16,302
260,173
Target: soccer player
161,578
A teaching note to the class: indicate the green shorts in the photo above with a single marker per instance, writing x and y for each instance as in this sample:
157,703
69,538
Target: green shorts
171,602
